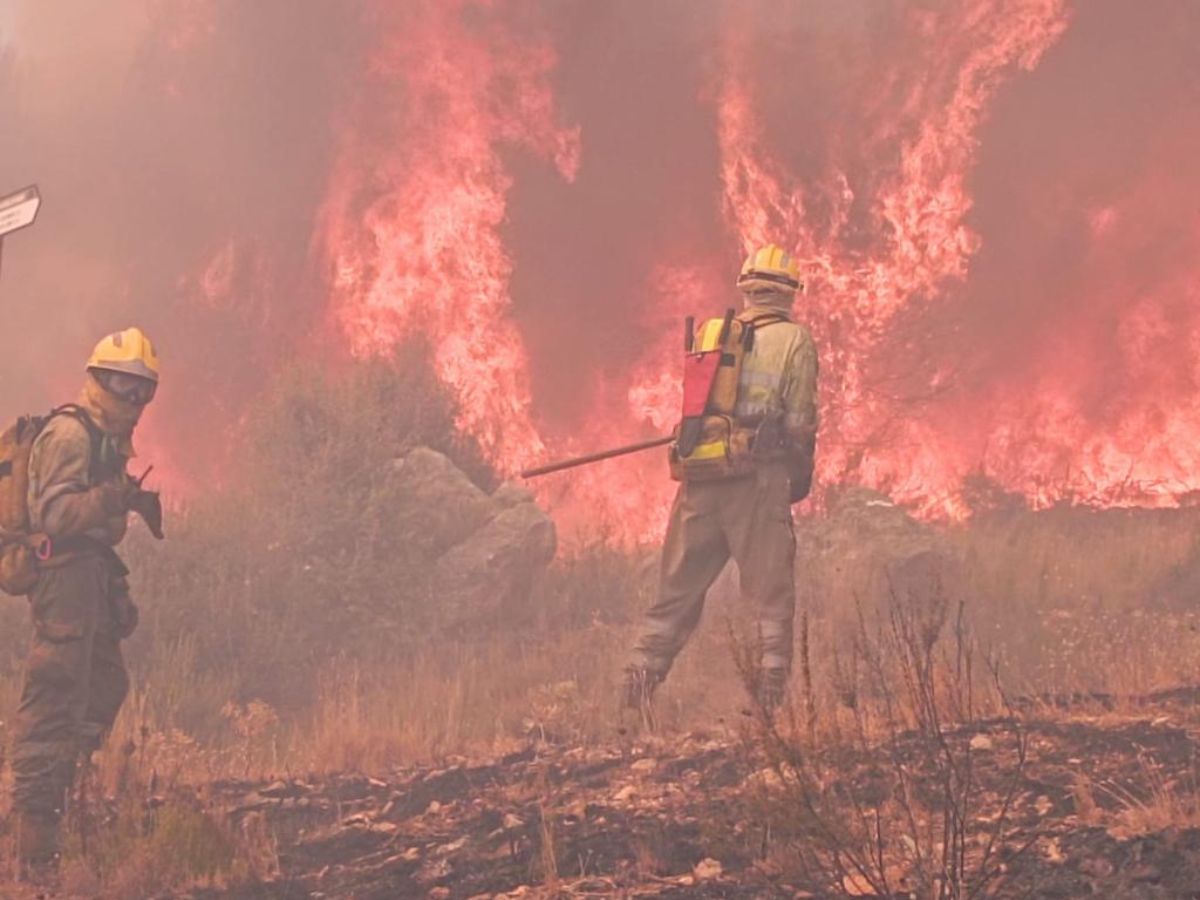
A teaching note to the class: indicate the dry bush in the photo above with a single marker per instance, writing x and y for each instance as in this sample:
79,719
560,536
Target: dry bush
1076,599
897,807
297,557
137,826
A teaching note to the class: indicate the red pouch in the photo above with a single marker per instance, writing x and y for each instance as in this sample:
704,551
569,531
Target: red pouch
699,372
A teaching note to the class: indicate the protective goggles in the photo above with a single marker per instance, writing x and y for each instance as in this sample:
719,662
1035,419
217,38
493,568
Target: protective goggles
130,388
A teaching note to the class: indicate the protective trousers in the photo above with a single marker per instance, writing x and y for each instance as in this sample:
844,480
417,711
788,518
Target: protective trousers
75,682
747,518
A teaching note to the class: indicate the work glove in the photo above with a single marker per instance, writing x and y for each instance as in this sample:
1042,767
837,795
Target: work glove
148,505
800,467
800,477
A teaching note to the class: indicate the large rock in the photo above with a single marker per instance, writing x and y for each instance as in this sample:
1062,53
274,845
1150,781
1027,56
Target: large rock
482,553
435,506
488,577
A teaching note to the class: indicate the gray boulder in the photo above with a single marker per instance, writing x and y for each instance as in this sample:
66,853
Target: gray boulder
512,494
434,505
488,577
481,553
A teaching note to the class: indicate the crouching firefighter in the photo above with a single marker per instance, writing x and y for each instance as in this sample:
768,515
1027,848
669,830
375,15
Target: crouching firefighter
64,501
743,454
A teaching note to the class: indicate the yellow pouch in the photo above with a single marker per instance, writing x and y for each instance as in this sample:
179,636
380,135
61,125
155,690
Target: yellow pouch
723,451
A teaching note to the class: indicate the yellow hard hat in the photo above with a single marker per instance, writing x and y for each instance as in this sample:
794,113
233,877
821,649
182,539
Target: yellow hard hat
770,266
128,351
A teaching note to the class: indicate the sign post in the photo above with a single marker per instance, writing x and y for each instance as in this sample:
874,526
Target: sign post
18,211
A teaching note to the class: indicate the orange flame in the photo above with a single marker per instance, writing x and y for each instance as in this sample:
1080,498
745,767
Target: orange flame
918,216
413,233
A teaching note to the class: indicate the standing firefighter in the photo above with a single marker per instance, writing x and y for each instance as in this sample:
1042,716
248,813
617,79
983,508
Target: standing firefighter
58,546
743,455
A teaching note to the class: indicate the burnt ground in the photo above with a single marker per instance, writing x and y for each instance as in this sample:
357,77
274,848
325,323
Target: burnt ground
1104,806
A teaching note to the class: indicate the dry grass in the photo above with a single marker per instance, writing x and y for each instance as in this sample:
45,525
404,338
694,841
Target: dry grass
188,723
1156,803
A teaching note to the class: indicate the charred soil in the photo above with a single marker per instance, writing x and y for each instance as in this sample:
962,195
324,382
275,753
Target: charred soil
1106,804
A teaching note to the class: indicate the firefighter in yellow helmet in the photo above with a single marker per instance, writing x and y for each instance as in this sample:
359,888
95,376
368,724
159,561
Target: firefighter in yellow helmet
79,497
740,471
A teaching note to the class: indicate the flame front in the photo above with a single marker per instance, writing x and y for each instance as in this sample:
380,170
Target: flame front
916,215
413,232
419,195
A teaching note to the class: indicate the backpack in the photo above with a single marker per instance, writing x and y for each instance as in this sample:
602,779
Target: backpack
710,443
19,548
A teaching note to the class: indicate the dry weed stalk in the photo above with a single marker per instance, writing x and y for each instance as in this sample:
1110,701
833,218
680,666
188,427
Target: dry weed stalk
547,855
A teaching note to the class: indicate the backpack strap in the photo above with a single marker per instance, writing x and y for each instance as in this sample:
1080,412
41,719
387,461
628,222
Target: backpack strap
750,324
95,435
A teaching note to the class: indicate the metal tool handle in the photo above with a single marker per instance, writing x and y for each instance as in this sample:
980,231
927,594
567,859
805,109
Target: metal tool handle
597,457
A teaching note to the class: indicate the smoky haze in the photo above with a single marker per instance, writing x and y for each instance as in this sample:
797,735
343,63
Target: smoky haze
181,149
184,150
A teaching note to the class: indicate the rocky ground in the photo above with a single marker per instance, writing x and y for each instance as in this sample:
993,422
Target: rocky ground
1105,806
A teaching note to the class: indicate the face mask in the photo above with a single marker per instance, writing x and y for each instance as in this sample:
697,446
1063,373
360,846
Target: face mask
113,415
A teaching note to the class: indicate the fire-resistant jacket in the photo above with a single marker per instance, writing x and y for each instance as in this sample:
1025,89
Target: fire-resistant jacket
779,381
61,502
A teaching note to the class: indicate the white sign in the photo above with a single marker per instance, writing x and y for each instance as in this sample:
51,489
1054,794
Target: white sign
19,210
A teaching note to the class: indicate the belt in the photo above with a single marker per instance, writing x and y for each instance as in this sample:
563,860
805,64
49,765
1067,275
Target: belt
48,549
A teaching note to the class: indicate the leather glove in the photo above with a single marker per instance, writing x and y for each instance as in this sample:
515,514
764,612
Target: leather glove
800,475
148,505
800,467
